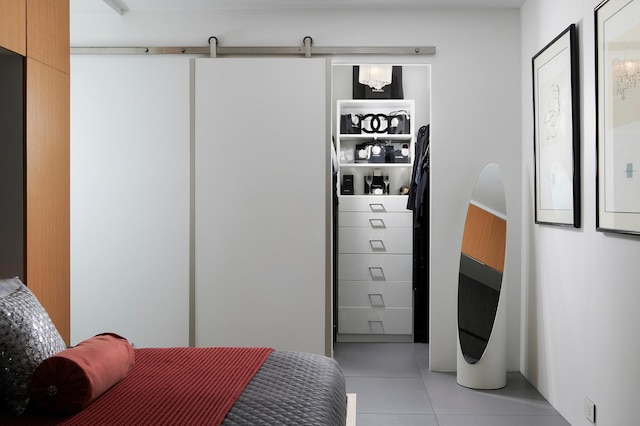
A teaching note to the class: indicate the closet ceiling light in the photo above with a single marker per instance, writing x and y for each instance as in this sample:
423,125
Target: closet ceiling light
375,76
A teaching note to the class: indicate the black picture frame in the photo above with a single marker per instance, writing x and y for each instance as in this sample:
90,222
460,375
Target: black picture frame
391,91
617,53
556,117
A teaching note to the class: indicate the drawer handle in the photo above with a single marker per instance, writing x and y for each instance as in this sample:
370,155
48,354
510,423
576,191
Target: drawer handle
376,300
376,272
377,223
376,326
377,245
377,207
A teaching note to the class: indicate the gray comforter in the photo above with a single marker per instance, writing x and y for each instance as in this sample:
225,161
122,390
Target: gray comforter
292,388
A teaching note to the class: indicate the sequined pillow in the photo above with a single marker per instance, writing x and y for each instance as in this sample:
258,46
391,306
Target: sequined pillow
27,337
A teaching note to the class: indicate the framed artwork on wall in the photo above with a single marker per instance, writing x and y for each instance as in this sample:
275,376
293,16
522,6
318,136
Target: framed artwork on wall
618,116
556,114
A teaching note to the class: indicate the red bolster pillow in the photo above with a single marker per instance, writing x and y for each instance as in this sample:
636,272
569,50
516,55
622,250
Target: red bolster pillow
70,380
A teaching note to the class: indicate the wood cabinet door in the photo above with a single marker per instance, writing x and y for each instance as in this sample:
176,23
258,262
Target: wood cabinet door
47,182
13,24
48,32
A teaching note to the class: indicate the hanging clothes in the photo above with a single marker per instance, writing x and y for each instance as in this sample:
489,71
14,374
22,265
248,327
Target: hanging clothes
419,202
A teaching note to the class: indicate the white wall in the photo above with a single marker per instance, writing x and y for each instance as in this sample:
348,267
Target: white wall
475,109
580,289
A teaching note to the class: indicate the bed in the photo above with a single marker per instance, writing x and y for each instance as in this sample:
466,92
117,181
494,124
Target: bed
161,386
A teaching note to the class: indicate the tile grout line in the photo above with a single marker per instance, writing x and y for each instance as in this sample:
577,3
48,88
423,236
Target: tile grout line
426,389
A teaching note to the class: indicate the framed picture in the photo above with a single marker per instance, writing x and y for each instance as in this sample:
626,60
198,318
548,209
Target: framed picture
618,116
556,115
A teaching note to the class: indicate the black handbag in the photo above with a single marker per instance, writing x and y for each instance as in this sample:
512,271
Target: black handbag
398,122
377,153
350,124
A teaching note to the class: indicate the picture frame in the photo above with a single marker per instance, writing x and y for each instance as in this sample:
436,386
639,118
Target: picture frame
617,44
556,112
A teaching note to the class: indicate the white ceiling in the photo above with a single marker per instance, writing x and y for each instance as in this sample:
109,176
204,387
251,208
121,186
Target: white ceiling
109,6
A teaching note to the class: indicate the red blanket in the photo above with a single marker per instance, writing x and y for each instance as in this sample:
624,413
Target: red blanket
170,386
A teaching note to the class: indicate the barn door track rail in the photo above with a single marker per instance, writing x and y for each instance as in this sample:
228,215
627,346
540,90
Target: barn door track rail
213,50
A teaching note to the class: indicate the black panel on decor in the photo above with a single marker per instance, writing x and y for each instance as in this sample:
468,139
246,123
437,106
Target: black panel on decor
12,192
478,296
392,91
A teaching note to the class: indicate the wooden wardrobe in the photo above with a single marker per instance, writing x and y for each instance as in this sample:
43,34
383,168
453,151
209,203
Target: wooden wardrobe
38,30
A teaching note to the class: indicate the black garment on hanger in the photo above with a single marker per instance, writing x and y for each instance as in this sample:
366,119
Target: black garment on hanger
419,202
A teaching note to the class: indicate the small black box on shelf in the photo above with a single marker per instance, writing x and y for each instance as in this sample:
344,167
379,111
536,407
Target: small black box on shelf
347,185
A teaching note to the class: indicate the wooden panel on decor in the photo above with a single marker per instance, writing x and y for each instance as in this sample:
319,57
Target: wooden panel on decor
48,32
484,237
47,181
13,26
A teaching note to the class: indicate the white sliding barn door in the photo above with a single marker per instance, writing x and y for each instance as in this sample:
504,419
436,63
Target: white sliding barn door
261,184
130,198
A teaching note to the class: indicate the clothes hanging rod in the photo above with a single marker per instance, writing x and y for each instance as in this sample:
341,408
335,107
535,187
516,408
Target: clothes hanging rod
214,50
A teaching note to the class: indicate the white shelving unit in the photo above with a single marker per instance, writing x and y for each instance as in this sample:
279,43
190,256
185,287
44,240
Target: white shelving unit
399,172
375,232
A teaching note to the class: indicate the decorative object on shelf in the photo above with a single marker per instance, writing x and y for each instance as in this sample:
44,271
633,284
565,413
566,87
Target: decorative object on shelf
347,155
374,123
350,124
378,153
557,131
377,185
392,90
368,180
618,116
363,151
398,122
347,185
402,155
375,76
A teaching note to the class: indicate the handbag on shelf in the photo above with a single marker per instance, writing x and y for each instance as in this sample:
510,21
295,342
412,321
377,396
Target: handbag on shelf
350,124
377,152
362,153
398,122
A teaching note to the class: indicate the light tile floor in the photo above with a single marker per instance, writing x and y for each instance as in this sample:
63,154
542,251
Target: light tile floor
395,387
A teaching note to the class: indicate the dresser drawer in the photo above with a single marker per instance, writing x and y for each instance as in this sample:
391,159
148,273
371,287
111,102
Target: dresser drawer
375,241
378,204
376,220
375,294
375,321
379,267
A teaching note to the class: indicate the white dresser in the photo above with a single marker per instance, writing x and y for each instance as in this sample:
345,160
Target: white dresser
375,244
